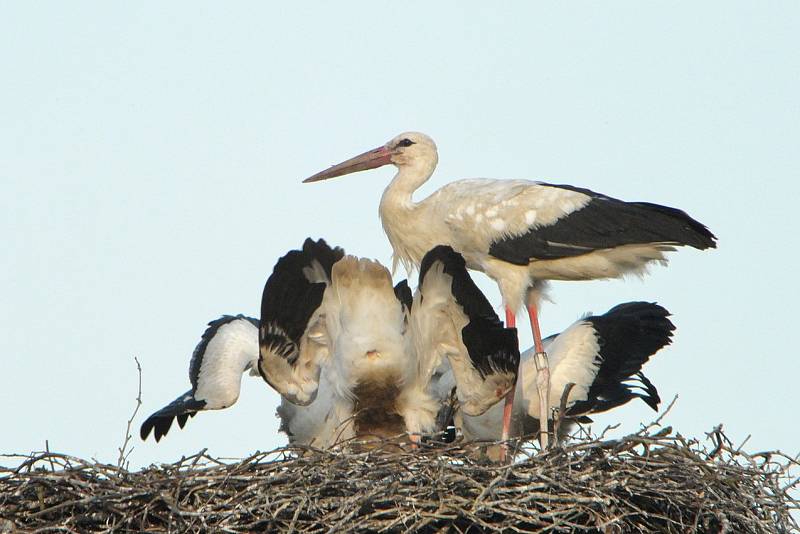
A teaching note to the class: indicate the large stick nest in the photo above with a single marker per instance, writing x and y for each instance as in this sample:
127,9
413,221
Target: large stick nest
647,482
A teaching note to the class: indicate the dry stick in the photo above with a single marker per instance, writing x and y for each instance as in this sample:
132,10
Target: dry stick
657,421
122,455
47,448
562,410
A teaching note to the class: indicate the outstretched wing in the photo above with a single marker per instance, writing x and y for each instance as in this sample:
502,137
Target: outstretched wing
451,317
228,348
629,334
292,334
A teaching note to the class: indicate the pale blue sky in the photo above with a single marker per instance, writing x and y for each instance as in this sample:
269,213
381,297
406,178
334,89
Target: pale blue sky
151,158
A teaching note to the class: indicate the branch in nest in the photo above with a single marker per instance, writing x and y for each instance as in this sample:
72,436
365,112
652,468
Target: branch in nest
123,456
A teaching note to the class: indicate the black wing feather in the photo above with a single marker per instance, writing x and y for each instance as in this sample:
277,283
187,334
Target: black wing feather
290,299
160,422
604,222
403,294
323,253
628,335
491,347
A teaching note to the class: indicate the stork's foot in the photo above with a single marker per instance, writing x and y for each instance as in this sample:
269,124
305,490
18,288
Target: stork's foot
543,386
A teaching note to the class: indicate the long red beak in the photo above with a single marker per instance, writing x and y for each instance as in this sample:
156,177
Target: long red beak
368,160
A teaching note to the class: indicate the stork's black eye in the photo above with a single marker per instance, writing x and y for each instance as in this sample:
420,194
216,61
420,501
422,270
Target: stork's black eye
405,142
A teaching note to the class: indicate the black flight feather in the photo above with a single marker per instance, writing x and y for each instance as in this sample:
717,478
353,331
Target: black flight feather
628,335
186,405
603,223
181,408
290,299
322,252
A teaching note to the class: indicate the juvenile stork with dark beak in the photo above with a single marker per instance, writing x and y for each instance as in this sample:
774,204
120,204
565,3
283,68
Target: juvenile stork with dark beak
520,233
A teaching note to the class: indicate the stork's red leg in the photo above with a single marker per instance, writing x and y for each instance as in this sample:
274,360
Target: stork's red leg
542,378
511,322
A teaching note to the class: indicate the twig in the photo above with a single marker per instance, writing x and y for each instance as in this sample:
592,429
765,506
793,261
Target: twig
123,456
47,448
657,421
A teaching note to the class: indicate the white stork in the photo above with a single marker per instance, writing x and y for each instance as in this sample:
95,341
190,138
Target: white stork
520,233
601,355
228,348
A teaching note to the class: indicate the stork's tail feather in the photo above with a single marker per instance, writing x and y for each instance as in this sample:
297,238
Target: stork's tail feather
182,409
628,335
361,274
362,289
492,348
681,228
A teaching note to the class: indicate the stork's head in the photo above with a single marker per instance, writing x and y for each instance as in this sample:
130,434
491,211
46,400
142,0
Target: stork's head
405,150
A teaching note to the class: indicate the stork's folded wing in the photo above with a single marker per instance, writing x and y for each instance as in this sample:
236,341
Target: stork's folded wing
451,317
292,336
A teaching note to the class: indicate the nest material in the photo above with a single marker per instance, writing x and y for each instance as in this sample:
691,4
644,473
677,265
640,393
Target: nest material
647,482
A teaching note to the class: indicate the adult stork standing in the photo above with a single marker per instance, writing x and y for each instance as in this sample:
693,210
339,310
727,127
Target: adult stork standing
520,233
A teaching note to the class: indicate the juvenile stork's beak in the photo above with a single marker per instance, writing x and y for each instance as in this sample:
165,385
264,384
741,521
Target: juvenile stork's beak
368,160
